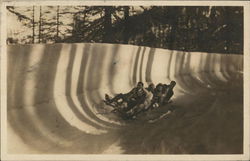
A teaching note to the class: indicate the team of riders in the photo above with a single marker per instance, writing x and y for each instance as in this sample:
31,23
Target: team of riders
141,99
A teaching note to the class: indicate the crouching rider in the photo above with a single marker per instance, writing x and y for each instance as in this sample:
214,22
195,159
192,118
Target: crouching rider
128,100
144,102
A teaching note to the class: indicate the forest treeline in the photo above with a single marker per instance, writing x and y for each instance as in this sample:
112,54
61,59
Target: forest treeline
216,29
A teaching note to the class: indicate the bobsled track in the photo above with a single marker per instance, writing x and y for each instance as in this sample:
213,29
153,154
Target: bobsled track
55,92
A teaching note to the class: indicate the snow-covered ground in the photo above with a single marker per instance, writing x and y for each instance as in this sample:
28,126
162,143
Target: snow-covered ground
55,92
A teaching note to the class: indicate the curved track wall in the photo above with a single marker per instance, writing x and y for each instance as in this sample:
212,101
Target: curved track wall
54,92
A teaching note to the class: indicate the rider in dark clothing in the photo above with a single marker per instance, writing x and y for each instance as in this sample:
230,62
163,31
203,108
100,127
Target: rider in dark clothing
137,94
157,95
169,91
151,88
132,98
143,103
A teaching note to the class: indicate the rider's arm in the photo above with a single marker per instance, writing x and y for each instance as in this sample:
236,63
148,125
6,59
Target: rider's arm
131,93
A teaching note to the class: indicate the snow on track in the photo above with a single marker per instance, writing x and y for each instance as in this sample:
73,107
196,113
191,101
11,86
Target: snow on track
55,91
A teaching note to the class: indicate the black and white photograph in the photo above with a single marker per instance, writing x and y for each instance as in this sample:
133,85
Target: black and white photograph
104,79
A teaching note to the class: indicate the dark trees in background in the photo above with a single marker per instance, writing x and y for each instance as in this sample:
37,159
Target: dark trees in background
126,24
95,24
57,22
216,29
33,24
107,25
40,26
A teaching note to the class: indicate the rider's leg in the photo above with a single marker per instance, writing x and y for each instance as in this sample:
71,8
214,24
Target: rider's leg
115,99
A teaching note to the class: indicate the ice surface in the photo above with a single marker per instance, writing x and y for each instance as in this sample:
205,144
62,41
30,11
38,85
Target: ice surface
55,92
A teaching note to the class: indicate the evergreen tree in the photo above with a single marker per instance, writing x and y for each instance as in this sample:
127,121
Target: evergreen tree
188,28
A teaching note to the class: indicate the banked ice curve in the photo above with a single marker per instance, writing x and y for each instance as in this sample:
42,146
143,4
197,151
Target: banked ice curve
54,90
